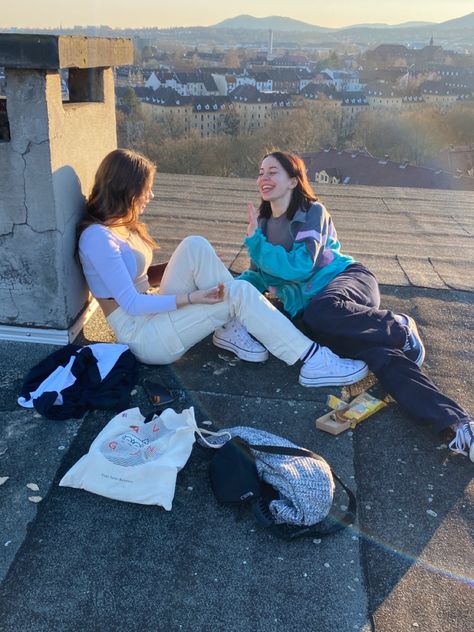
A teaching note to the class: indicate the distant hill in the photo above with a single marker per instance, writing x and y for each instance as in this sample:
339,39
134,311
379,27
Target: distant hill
280,23
400,32
467,21
275,22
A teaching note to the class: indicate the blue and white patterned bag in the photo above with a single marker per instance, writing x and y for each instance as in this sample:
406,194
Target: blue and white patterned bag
303,481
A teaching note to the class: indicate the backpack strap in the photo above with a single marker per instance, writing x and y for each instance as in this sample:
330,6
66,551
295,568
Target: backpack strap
347,518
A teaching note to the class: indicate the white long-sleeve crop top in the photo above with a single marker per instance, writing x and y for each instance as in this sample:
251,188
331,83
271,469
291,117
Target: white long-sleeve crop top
116,267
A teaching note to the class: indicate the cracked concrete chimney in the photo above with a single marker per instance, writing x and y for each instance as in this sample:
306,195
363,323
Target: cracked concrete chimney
50,147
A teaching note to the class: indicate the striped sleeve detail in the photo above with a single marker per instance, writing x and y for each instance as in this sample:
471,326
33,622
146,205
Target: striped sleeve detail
313,234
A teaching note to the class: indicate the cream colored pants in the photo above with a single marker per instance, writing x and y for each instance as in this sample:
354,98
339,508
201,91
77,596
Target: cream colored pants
164,337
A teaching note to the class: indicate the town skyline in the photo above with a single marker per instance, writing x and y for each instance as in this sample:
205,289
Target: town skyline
119,14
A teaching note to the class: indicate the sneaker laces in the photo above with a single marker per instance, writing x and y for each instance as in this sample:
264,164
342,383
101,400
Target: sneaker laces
241,334
410,341
325,356
463,440
329,357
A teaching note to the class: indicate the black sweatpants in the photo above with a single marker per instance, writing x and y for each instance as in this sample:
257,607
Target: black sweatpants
346,317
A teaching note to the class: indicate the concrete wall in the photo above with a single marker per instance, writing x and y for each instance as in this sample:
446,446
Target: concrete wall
45,171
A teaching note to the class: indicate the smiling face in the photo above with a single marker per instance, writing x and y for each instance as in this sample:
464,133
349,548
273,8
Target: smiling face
275,185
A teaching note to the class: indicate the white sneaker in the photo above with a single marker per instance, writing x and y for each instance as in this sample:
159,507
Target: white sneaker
463,442
234,337
325,368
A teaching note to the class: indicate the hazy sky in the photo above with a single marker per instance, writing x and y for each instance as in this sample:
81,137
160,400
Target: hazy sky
160,13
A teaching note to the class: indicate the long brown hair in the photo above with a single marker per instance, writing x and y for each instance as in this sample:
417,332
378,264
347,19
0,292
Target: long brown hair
122,177
302,195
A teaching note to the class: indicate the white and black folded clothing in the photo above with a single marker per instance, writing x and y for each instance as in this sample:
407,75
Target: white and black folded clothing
75,379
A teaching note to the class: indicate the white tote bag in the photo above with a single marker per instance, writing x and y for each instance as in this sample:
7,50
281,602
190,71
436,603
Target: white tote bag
135,461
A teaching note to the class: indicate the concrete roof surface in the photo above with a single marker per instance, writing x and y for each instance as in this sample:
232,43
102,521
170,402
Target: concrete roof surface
408,237
78,561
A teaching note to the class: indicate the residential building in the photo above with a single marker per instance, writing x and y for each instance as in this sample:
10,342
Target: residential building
191,83
129,76
398,55
316,91
255,109
352,105
162,78
208,115
290,61
388,55
168,107
262,81
342,80
443,95
201,114
388,76
333,166
288,79
382,97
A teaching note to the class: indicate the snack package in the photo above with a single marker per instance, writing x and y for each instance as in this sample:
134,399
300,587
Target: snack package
360,408
345,415
335,403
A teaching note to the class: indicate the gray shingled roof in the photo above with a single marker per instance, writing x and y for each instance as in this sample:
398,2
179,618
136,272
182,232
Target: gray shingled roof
363,169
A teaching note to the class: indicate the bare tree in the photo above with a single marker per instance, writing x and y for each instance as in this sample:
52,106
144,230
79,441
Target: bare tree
460,122
414,136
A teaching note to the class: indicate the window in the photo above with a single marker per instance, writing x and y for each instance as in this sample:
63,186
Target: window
83,85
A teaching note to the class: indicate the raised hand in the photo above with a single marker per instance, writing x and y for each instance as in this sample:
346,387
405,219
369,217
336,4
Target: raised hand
252,219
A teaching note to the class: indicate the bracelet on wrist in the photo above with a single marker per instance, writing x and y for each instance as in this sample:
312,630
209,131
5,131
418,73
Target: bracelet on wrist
189,298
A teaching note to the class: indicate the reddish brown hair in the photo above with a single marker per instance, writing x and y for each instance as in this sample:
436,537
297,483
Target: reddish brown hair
122,178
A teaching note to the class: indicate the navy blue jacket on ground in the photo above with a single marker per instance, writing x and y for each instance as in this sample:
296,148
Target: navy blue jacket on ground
75,379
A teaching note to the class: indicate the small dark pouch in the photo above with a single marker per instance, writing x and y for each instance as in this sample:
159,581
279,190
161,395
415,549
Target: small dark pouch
233,473
158,395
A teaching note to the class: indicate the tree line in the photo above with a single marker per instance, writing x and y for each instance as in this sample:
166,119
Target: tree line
416,137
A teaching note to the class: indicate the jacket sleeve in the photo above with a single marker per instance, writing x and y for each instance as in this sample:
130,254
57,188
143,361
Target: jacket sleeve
254,278
295,265
317,232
